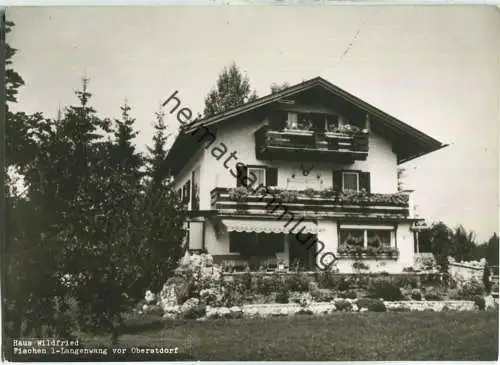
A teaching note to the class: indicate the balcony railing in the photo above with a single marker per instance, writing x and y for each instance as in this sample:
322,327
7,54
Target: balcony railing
348,147
328,203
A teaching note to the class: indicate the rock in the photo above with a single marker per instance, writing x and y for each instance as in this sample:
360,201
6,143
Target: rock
363,310
186,259
235,309
170,315
175,290
489,302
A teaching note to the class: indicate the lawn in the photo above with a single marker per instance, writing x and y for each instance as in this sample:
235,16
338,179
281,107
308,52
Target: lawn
341,336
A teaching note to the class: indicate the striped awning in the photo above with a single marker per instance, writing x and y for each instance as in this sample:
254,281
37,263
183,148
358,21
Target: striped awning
269,226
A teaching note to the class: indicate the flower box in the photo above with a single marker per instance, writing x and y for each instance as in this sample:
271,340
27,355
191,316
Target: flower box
353,251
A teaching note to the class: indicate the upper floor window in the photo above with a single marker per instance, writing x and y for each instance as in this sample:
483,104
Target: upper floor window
259,173
350,181
292,121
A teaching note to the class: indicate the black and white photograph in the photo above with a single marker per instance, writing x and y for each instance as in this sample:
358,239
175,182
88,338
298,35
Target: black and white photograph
227,181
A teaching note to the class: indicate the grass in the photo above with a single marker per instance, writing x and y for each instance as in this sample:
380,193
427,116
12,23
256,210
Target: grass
341,336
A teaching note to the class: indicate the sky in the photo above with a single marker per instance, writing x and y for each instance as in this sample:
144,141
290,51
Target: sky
436,68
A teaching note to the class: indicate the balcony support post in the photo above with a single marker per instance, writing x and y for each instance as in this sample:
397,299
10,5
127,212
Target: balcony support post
367,122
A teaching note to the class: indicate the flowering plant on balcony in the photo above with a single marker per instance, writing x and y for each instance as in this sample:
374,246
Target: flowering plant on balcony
304,123
239,193
310,192
288,196
357,250
328,193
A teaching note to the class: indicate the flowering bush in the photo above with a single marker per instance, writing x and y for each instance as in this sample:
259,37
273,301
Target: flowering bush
305,300
149,297
211,296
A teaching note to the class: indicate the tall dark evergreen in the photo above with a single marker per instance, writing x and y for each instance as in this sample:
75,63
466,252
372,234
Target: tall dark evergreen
34,298
162,212
129,161
157,153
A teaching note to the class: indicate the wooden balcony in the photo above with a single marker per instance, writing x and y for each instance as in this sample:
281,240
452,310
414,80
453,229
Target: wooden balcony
309,203
310,145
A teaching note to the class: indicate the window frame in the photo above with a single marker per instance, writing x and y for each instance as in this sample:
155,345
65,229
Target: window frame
353,172
365,228
264,168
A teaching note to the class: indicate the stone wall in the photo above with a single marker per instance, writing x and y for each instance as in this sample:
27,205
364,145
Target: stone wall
265,310
420,306
466,270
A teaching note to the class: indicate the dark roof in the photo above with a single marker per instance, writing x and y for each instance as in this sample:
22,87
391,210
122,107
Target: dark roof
412,142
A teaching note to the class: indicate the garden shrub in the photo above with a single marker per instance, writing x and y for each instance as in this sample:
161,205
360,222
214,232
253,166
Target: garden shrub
373,305
432,279
246,280
328,280
383,289
343,305
400,309
321,295
416,295
433,294
404,281
344,284
233,294
302,312
195,312
298,282
349,294
283,296
486,279
433,297
470,289
265,285
480,302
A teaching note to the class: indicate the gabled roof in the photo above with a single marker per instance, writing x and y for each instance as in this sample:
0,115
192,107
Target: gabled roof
410,142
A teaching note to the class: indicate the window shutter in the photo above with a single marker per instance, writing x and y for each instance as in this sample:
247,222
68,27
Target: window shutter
364,181
241,174
187,192
271,176
337,179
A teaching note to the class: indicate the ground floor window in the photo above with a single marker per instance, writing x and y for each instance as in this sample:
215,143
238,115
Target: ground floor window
366,239
249,244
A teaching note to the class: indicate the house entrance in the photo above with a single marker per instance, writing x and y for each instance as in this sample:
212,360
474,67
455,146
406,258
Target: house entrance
302,251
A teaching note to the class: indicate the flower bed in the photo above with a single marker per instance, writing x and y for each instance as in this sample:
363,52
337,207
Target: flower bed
199,289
